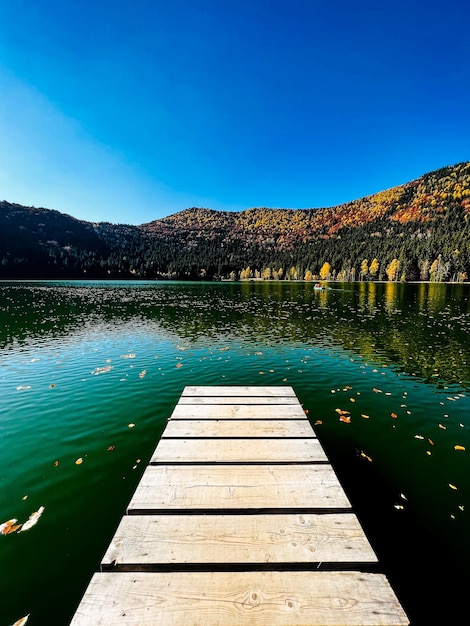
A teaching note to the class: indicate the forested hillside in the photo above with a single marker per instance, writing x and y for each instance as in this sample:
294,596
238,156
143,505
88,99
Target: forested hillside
416,231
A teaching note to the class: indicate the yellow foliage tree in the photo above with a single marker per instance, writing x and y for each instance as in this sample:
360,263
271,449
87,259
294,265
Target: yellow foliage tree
374,268
325,271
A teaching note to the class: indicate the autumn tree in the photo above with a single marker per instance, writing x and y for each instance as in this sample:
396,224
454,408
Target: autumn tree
325,271
364,269
392,269
374,268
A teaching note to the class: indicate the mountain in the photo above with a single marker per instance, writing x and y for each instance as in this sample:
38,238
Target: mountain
416,231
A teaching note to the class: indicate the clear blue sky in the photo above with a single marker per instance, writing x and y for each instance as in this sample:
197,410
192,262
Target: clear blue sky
130,111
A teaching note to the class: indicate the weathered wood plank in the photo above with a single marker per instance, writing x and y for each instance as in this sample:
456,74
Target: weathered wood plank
238,390
202,400
238,411
248,539
238,428
247,487
234,598
238,451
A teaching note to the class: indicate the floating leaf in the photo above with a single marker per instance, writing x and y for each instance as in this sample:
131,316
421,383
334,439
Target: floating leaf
459,447
419,437
5,527
365,456
79,461
318,423
22,621
56,463
394,415
399,507
102,370
33,519
452,486
352,399
111,448
131,425
366,417
143,373
345,418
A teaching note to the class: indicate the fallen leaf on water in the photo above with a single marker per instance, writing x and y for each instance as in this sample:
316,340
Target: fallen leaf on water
345,419
342,412
318,423
419,437
24,498
394,415
143,373
459,447
79,461
56,463
22,621
352,399
442,426
111,448
366,456
102,370
366,417
431,442
377,390
12,529
33,519
131,425
399,507
4,528
452,486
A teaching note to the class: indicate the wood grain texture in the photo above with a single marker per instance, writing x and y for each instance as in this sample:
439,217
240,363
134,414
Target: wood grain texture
248,539
238,390
238,411
239,428
245,487
238,451
234,598
274,400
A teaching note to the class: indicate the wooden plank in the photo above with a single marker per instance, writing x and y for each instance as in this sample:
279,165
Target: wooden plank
238,390
238,411
238,428
238,451
247,487
234,598
239,400
249,539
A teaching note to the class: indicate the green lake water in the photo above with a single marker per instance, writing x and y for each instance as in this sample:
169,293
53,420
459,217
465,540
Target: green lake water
82,361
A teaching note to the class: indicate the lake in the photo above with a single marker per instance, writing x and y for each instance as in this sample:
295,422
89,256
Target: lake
90,372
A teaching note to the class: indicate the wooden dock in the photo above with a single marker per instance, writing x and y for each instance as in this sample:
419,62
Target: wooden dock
239,519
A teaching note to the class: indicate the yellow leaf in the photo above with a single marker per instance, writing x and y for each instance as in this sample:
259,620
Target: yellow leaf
452,486
22,621
131,425
79,461
442,426
459,447
366,417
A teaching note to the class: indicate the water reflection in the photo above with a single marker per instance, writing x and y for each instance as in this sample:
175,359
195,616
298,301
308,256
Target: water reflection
421,328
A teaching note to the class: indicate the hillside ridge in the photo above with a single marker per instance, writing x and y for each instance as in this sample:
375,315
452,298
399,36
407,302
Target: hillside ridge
414,224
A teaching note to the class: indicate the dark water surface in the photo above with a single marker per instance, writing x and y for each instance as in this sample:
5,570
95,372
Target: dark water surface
82,361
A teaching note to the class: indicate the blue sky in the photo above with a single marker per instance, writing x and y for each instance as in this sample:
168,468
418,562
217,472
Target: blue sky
130,111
